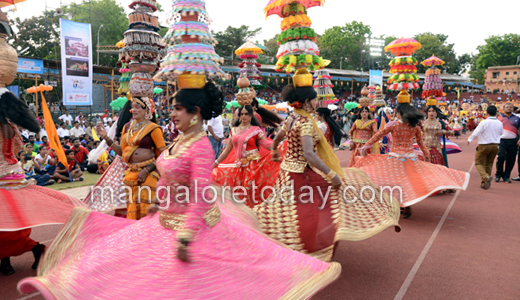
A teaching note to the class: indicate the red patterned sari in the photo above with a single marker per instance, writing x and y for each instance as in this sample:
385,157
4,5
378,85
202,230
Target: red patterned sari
248,166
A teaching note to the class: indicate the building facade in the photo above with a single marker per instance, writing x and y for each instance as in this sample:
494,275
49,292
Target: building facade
503,79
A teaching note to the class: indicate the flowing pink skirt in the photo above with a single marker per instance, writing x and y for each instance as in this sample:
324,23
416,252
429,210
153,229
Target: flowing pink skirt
102,257
33,206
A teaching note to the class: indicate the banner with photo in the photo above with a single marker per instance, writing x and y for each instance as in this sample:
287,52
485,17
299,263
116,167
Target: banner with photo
376,78
76,62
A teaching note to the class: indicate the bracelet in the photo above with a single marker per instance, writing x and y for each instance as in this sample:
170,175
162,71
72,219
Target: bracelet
151,167
109,142
275,150
216,161
331,175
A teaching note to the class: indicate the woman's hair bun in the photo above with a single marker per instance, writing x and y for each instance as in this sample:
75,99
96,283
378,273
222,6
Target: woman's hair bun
289,94
215,99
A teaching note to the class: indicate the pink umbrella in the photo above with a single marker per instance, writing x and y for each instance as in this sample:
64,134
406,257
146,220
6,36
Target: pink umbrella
412,44
433,61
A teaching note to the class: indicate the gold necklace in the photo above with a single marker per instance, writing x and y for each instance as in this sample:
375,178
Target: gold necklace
184,142
130,134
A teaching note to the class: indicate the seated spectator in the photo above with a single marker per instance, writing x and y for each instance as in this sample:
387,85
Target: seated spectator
29,166
72,173
32,141
29,150
42,162
80,154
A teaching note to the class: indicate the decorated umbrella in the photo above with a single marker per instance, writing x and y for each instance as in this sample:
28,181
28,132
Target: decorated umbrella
4,3
433,61
403,46
275,7
248,47
332,107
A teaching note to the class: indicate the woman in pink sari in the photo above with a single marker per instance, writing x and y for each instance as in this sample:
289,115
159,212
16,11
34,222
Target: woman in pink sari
197,247
247,168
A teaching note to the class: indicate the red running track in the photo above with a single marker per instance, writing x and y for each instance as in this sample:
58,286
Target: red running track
454,246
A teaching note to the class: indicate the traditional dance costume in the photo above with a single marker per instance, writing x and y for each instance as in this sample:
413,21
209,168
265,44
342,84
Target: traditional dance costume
400,168
307,225
361,133
146,136
246,166
433,131
227,254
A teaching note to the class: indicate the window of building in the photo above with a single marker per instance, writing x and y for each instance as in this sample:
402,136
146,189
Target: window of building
496,75
514,73
507,73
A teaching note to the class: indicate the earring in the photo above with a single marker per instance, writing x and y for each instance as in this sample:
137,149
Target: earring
194,121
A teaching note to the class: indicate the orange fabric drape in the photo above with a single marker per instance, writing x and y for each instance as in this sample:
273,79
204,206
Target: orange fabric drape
52,134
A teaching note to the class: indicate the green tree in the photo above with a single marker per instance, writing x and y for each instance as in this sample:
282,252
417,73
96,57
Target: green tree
232,38
344,45
32,33
435,44
499,51
272,49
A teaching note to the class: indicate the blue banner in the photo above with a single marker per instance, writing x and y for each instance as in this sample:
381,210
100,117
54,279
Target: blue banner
30,66
376,78
76,62
14,89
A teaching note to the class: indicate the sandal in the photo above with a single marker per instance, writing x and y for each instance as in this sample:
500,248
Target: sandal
37,251
5,267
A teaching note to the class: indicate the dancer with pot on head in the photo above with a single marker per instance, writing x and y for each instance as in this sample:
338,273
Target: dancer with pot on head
328,126
142,142
310,169
249,168
363,129
213,246
434,128
417,179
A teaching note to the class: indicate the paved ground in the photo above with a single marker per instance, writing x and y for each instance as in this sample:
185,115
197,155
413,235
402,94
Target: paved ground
455,246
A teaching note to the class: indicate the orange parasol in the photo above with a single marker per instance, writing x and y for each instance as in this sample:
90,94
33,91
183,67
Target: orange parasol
403,46
4,3
433,61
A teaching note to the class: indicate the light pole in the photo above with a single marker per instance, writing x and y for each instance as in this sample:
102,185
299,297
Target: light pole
100,27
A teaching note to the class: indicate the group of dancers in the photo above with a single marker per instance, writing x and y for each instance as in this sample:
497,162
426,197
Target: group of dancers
285,230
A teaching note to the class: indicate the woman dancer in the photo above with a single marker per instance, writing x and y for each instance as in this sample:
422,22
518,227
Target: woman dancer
248,170
328,126
243,163
201,249
142,142
434,128
401,167
24,204
311,168
363,129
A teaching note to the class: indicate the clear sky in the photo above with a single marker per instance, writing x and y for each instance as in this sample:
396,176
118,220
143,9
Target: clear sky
467,23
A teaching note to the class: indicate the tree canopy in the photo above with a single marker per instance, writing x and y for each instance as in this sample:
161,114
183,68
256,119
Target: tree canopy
32,32
232,38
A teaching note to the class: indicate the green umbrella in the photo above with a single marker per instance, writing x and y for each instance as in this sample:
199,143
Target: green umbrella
261,101
118,103
157,90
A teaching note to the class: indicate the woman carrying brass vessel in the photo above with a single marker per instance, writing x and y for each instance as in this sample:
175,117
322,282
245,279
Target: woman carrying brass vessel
141,143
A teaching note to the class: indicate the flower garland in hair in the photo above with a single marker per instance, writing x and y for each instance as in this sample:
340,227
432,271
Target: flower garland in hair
296,105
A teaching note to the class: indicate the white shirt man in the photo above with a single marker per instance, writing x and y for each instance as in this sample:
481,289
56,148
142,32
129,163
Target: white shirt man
76,130
63,132
66,117
216,130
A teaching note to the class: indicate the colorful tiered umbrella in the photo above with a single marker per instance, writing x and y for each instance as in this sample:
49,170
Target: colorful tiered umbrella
4,3
248,47
403,46
433,61
275,7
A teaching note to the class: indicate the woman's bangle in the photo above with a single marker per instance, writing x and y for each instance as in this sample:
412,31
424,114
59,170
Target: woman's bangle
275,150
216,161
151,167
184,242
331,175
